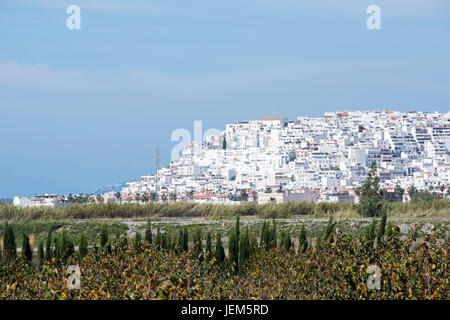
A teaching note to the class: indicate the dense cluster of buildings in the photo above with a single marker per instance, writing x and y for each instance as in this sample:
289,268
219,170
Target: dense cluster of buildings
313,159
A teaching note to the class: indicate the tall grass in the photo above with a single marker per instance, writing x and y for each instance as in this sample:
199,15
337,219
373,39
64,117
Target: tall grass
216,211
434,208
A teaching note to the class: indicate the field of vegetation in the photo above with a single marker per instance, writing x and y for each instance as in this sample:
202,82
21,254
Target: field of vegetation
225,259
434,208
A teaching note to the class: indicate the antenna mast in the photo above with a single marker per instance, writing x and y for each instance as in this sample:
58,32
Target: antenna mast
157,167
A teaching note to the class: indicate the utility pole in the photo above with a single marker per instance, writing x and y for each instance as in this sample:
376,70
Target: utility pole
157,167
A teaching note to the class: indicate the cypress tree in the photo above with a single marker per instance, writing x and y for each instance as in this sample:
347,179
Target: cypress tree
208,246
198,251
56,251
158,238
273,235
219,252
232,250
253,245
266,235
171,241
165,240
371,230
244,249
233,245
63,244
137,239
382,227
27,253
148,232
9,242
302,240
185,239
263,234
237,229
286,242
41,254
83,248
180,246
103,236
66,247
125,242
48,246
389,231
70,248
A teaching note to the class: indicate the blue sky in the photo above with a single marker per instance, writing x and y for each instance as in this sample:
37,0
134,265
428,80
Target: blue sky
80,109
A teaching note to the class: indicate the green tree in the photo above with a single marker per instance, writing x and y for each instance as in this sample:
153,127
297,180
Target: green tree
370,233
170,243
244,249
302,240
27,253
253,244
148,232
183,242
198,251
185,239
268,235
48,246
103,236
382,228
371,199
285,241
208,246
62,244
70,248
158,238
66,246
41,254
9,242
83,247
399,190
264,239
154,196
219,252
273,235
56,250
137,239
233,246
